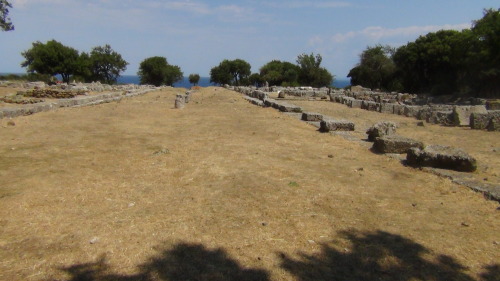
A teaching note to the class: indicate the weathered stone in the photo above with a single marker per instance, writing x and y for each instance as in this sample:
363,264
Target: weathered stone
494,123
381,129
440,117
356,103
411,111
395,144
254,101
312,116
387,108
258,95
443,157
179,101
461,114
336,125
480,121
286,107
493,105
281,94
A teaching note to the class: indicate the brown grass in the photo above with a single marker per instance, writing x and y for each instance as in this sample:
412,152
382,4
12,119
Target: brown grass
223,190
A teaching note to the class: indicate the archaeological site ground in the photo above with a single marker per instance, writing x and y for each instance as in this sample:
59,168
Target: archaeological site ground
135,189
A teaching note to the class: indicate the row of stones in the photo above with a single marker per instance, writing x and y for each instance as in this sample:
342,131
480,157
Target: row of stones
476,117
383,136
94,86
181,100
74,102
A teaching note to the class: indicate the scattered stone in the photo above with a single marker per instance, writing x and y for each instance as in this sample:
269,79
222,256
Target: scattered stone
11,123
336,125
281,94
384,128
179,102
443,157
94,240
312,116
395,144
494,123
421,124
330,156
465,224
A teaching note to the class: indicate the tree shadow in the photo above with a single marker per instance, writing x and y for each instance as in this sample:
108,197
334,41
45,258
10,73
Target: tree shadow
183,262
379,256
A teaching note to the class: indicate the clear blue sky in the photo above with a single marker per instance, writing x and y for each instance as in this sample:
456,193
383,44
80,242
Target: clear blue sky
198,34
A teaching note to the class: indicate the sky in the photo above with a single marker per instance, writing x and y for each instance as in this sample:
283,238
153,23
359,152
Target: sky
198,34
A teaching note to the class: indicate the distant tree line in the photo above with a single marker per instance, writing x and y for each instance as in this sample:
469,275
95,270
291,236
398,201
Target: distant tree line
5,22
307,72
53,58
445,62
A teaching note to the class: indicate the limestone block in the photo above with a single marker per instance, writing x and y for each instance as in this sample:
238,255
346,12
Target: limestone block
443,157
336,125
384,128
312,116
395,144
461,114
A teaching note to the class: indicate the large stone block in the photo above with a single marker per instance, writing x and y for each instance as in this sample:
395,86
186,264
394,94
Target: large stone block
443,157
356,103
312,116
494,123
336,125
395,144
480,121
411,111
381,129
461,114
387,108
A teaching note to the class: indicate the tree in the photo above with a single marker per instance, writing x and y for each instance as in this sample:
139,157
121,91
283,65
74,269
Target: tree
194,79
234,72
376,68
278,73
5,23
106,64
256,80
157,71
52,58
485,57
311,72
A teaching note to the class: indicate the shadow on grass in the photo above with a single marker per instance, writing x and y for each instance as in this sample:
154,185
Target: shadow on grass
183,262
379,256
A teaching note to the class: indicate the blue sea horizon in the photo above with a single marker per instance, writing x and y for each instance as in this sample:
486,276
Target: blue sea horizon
205,82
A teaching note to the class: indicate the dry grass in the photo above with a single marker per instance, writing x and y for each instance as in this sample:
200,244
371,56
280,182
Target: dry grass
223,190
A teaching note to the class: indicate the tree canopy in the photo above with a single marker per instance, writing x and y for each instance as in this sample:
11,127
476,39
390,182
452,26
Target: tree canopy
311,72
194,79
52,58
5,22
106,64
445,62
234,72
278,73
156,71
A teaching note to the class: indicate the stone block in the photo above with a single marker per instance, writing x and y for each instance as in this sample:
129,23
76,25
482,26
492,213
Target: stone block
384,128
312,116
494,124
461,114
493,105
336,125
179,101
356,103
440,117
443,157
480,121
286,107
411,111
387,108
395,144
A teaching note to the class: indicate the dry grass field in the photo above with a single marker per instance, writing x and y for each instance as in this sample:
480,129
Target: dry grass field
225,190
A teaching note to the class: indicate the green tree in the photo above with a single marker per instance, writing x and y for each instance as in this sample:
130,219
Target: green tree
156,71
194,79
311,72
106,64
484,59
256,80
376,68
431,64
234,72
52,58
278,73
5,22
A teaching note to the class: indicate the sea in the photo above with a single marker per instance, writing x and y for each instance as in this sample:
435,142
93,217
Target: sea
205,82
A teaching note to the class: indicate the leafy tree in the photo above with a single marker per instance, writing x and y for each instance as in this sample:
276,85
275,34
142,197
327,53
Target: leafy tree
256,80
485,57
234,72
52,58
278,73
194,79
5,23
106,64
375,69
157,71
431,64
311,72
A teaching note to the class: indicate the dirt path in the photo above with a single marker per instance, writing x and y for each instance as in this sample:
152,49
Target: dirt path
223,190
